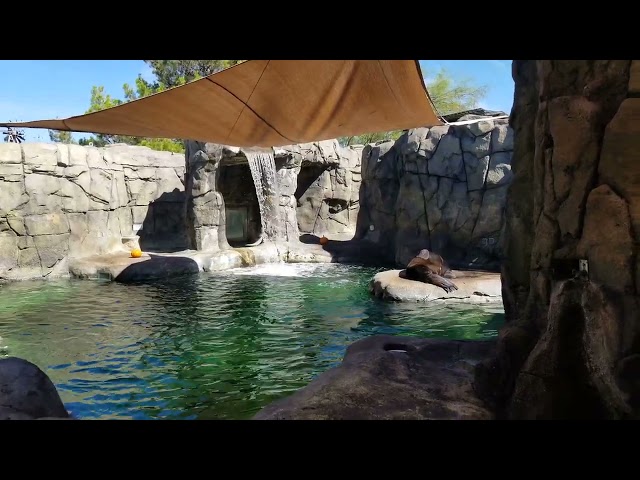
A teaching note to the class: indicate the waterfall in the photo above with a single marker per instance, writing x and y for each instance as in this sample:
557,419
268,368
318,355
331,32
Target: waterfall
263,171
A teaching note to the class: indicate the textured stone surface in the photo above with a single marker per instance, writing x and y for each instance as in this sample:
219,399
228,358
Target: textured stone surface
85,201
473,287
26,392
442,188
322,200
392,378
153,266
327,189
571,342
571,371
321,181
634,77
58,201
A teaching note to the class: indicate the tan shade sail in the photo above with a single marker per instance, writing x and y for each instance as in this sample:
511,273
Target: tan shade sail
269,103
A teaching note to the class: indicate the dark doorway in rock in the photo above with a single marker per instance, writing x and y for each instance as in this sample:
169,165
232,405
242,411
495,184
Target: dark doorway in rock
309,196
241,210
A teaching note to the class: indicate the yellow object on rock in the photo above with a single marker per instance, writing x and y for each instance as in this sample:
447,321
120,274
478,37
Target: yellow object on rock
324,240
136,253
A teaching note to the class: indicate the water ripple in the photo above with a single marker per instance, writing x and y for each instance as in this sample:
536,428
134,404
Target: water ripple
208,346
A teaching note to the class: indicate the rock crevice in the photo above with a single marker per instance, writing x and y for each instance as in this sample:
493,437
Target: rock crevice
442,188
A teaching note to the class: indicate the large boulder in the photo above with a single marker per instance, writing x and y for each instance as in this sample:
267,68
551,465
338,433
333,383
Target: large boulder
473,287
27,393
392,378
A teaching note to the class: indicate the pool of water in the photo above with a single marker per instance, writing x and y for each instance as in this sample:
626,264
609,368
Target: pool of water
209,346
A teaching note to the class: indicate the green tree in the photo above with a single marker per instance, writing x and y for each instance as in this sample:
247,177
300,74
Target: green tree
92,141
370,138
448,94
61,136
168,73
172,72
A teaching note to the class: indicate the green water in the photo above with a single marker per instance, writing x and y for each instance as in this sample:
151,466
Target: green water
210,346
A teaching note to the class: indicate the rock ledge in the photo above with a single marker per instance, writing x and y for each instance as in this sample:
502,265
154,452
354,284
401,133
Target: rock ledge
473,287
386,377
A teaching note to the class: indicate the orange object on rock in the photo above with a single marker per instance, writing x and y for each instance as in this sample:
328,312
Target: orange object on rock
136,253
324,240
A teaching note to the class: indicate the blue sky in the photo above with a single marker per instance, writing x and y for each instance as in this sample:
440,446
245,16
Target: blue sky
43,89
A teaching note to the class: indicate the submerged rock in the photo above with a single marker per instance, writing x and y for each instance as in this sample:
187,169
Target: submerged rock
473,287
386,377
27,393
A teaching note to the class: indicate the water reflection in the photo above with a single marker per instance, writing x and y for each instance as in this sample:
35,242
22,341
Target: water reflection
208,346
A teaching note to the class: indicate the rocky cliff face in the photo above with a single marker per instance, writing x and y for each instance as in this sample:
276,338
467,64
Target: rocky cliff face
58,200
442,188
571,347
328,188
317,191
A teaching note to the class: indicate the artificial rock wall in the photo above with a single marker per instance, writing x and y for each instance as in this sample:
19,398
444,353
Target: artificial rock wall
442,188
59,200
205,201
328,188
571,346
324,202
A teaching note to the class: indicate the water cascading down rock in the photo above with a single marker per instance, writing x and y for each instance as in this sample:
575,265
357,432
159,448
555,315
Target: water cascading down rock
263,170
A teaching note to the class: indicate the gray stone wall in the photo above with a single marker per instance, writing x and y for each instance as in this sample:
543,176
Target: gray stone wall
442,188
325,204
327,192
61,200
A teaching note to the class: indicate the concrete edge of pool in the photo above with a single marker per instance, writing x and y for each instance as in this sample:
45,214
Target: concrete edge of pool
474,287
120,267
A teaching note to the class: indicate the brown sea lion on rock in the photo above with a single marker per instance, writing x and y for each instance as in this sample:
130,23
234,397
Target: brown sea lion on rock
429,267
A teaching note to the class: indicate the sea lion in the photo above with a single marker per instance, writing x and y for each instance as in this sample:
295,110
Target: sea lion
429,267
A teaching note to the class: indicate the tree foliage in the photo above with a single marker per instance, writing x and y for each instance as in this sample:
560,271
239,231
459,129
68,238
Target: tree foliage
448,94
172,72
61,136
168,74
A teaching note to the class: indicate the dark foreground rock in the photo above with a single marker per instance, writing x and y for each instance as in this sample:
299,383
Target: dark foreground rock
393,378
26,393
573,371
570,347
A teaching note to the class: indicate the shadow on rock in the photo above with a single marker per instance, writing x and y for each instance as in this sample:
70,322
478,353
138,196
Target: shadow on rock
158,266
164,224
577,369
352,251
